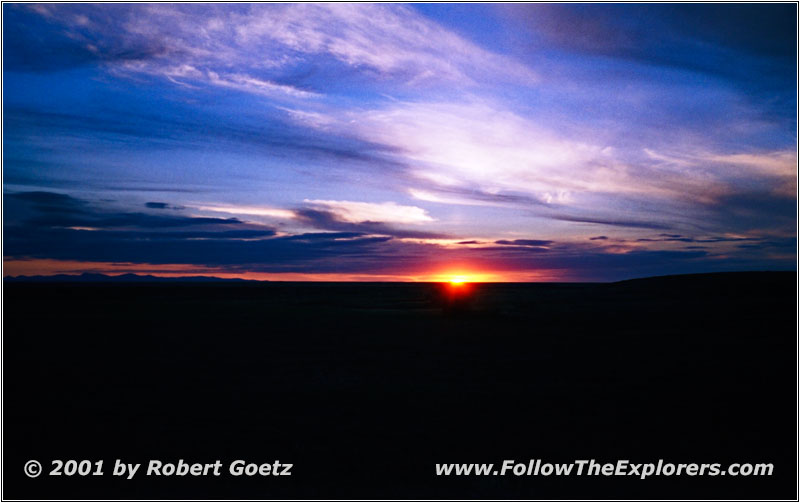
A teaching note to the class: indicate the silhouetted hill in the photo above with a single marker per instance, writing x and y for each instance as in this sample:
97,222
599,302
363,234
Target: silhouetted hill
124,278
713,277
718,282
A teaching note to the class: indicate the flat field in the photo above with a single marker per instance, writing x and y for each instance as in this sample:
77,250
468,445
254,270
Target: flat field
365,387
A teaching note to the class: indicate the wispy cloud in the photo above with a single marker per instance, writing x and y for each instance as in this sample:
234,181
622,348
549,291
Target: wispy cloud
261,211
393,40
481,153
260,48
350,212
697,37
480,148
390,212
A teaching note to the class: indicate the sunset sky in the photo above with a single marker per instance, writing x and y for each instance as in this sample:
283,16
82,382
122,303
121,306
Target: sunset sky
520,142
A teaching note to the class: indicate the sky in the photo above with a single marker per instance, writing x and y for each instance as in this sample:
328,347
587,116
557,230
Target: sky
399,142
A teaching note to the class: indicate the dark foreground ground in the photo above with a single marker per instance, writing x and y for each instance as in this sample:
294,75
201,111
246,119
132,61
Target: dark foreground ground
364,387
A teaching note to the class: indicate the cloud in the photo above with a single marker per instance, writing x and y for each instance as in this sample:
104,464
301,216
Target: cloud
392,40
55,210
781,164
666,238
30,46
243,82
327,117
756,210
526,242
359,217
236,247
774,170
261,47
328,220
477,145
261,211
472,197
480,153
695,37
45,225
271,134
483,151
49,202
636,224
51,210
154,205
777,169
387,212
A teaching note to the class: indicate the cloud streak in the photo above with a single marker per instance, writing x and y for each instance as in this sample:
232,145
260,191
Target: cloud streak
58,227
266,44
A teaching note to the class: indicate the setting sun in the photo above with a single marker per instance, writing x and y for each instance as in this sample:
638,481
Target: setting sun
461,276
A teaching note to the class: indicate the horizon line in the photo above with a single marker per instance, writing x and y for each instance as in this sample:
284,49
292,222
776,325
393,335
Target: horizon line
67,277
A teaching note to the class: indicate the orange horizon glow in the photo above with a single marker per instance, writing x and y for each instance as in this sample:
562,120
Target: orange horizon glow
49,267
462,276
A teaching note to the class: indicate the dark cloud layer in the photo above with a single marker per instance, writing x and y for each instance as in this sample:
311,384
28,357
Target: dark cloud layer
57,226
48,225
525,242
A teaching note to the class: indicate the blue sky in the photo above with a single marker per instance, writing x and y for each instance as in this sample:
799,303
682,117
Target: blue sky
515,142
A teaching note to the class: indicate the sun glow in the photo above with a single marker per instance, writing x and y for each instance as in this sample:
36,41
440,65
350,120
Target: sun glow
458,290
459,276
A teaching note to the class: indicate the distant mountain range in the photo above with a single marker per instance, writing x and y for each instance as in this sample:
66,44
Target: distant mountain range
715,277
123,278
